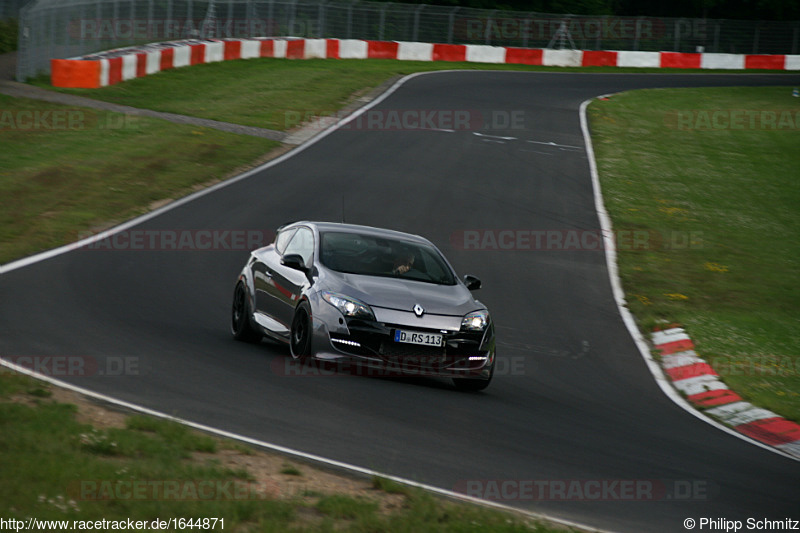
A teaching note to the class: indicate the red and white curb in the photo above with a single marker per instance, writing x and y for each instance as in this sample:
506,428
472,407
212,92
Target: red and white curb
114,66
702,386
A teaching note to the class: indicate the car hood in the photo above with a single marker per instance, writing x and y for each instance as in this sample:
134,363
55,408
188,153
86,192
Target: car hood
403,295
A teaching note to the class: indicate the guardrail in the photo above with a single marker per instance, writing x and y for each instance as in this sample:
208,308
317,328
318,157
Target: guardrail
114,66
67,28
9,9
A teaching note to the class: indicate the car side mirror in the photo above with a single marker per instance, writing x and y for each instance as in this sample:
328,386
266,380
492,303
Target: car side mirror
472,282
294,261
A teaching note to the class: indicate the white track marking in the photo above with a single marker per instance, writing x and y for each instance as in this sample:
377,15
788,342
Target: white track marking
551,143
186,199
619,296
669,335
605,222
616,286
281,449
494,136
739,413
699,385
296,453
680,359
535,152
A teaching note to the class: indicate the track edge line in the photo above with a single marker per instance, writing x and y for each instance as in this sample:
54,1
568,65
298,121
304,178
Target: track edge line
297,453
48,254
619,296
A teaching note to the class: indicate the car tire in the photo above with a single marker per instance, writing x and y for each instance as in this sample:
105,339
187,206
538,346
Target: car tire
473,384
240,316
300,335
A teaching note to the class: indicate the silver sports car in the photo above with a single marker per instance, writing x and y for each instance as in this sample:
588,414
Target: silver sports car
379,298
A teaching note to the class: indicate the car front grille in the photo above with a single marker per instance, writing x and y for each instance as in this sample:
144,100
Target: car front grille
376,340
412,353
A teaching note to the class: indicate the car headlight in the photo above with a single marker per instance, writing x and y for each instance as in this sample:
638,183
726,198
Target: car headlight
348,306
475,321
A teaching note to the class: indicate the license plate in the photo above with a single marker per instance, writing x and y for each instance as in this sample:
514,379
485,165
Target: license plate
417,337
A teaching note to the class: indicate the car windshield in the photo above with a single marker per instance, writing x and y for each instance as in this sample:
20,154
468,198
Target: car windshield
370,255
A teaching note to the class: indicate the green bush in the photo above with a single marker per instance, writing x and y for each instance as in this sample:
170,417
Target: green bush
9,30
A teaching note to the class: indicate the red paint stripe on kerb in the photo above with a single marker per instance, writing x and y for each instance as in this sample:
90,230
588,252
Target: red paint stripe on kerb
449,52
523,56
78,74
141,65
332,48
295,49
679,60
599,58
233,50
75,73
198,54
714,397
676,346
114,70
690,371
762,61
167,58
771,430
382,49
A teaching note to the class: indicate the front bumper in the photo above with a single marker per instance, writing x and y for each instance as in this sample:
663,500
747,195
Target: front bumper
371,344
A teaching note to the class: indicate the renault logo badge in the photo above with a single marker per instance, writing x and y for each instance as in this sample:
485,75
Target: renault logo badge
418,310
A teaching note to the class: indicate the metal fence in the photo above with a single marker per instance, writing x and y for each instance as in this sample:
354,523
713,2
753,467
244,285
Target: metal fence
69,28
9,9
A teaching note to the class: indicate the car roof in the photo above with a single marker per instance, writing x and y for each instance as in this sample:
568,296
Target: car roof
355,228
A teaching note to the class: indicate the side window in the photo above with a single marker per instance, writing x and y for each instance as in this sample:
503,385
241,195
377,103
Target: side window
303,244
283,239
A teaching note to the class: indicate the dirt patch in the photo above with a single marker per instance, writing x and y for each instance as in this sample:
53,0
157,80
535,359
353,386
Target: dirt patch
289,479
281,476
90,412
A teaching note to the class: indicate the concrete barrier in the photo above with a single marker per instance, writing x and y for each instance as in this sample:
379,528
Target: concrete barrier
114,66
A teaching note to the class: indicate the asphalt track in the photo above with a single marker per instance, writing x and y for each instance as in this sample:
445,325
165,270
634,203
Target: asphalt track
575,402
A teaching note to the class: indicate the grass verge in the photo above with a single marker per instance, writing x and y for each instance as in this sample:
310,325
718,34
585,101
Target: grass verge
278,93
67,170
713,182
719,200
58,466
56,184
